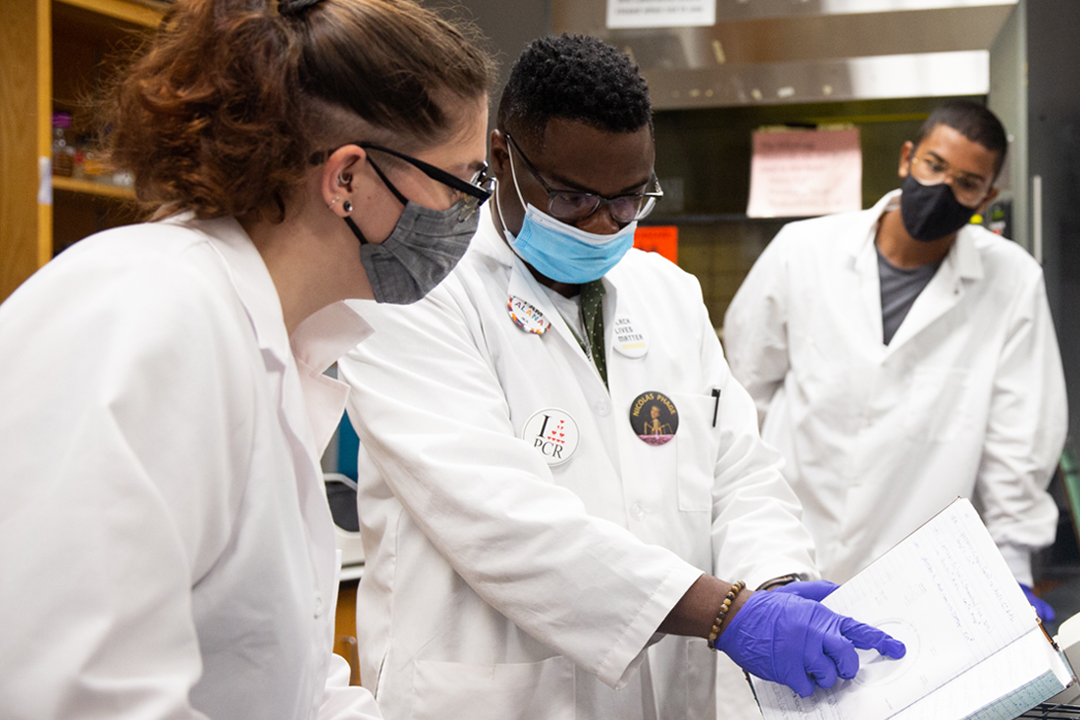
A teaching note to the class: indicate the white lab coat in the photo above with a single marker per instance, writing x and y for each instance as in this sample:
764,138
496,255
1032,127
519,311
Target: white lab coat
498,587
967,399
166,546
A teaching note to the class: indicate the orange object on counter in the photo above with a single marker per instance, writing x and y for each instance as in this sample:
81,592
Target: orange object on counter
663,239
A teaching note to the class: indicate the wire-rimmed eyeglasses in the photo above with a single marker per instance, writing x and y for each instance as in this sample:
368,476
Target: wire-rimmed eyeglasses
574,205
968,188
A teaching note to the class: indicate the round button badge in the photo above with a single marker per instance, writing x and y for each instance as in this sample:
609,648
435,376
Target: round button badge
629,337
527,316
553,434
654,418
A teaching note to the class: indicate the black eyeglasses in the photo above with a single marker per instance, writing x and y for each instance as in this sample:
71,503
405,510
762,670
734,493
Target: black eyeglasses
477,189
572,205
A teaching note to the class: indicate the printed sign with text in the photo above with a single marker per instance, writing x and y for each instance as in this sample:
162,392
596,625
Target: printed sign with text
660,13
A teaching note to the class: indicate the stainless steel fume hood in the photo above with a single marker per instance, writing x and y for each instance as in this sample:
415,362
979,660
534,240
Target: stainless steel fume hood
769,52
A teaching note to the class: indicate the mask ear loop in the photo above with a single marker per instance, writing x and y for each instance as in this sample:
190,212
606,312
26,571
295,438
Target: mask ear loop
386,181
521,198
498,207
355,230
510,238
513,176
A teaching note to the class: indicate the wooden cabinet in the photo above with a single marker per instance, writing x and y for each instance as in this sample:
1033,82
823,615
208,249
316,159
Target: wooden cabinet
56,55
345,628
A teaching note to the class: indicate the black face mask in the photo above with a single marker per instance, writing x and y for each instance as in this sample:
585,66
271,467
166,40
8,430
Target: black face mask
931,212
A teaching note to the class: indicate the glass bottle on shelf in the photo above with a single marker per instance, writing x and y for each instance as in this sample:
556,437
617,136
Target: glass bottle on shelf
63,154
124,179
79,158
93,167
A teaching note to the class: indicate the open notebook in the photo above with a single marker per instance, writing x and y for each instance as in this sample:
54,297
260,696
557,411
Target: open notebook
974,645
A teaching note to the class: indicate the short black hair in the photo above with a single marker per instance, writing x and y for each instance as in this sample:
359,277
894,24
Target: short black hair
573,77
972,120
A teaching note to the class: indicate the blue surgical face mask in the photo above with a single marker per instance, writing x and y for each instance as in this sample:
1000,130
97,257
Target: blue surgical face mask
563,252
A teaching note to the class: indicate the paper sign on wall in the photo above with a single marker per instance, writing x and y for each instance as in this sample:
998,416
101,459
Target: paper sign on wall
799,173
662,239
660,13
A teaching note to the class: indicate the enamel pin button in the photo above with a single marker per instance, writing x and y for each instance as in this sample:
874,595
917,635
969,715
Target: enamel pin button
654,418
553,434
629,338
527,316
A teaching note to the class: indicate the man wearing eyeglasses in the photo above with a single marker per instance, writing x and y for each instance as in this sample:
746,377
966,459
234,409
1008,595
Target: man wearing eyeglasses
559,482
900,357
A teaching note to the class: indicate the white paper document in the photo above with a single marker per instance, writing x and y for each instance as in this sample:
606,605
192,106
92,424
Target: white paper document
798,173
974,648
660,13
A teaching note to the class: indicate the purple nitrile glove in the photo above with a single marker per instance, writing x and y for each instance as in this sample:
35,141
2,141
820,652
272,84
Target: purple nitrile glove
789,639
810,589
1042,608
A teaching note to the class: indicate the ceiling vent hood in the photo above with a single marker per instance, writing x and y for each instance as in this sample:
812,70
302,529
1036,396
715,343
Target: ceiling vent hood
769,52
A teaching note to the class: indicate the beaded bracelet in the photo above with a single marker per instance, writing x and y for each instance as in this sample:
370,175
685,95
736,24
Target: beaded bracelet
732,594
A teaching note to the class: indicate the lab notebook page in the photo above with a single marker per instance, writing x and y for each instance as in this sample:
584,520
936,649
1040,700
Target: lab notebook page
974,646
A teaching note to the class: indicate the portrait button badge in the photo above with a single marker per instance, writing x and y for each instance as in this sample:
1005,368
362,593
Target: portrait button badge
654,417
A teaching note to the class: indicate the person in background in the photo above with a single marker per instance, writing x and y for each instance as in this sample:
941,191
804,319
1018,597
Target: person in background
532,551
166,545
900,357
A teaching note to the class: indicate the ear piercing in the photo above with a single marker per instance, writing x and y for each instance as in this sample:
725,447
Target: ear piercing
344,179
346,206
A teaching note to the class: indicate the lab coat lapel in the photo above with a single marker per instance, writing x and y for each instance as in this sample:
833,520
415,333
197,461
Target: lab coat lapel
253,286
866,268
862,253
614,310
945,290
258,294
526,287
522,284
317,344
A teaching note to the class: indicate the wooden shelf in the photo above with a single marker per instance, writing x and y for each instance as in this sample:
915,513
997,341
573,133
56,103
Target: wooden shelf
147,14
89,187
87,41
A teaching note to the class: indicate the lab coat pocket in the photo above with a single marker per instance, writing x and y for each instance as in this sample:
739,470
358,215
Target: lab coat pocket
504,691
695,447
937,406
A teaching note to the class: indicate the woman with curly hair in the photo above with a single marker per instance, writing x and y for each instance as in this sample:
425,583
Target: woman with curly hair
166,546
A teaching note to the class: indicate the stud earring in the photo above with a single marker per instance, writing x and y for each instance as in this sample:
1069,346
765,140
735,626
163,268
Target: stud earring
336,199
347,207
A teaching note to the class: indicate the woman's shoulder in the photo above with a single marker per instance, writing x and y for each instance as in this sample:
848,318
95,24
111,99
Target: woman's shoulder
134,281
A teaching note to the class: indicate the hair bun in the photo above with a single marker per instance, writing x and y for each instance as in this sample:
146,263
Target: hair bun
290,8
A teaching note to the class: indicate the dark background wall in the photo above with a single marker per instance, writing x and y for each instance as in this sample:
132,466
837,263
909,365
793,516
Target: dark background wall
509,25
1053,116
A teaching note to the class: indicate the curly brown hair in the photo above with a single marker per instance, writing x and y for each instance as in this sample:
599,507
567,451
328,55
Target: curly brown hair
221,112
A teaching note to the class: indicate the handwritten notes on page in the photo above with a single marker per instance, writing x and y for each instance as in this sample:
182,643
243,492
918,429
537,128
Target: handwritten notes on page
972,638
1021,666
799,173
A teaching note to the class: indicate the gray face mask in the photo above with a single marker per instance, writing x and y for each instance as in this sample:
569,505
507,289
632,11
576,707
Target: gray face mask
420,252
